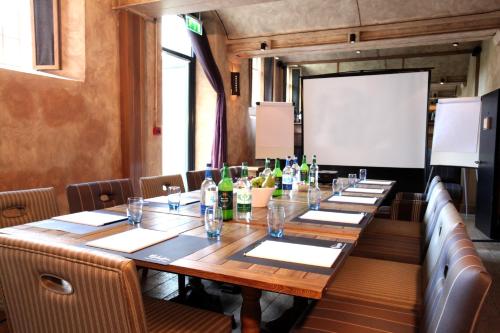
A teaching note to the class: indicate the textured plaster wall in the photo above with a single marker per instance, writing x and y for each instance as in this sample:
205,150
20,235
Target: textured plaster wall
240,135
54,132
489,72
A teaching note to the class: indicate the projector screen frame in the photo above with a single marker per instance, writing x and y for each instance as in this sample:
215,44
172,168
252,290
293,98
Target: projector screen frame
419,175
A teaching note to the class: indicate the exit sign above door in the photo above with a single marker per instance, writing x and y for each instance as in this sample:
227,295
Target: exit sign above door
194,25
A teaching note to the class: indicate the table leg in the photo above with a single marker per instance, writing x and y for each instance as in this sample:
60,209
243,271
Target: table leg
250,310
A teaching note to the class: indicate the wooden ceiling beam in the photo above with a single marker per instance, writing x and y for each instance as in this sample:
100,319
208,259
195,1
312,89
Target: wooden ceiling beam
158,8
423,32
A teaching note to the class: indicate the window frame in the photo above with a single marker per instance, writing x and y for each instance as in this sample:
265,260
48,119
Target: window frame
56,33
191,102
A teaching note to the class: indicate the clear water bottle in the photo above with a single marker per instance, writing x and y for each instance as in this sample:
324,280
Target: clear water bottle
287,178
313,197
243,196
313,173
267,169
208,191
296,171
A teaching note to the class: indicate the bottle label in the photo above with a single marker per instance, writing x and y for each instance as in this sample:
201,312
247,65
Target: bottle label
277,182
312,180
303,175
226,200
244,208
244,196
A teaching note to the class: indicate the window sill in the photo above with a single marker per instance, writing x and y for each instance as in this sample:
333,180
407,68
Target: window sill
35,72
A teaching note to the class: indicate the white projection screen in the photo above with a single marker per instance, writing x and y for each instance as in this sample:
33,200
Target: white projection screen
370,120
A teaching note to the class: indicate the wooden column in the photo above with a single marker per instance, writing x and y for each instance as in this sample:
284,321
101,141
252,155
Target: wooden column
132,94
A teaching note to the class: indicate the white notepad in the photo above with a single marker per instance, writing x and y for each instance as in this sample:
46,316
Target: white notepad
295,253
376,182
319,215
164,200
94,219
365,190
132,240
349,199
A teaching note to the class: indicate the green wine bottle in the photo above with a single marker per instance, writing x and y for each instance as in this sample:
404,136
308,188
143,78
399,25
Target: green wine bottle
278,175
304,170
226,194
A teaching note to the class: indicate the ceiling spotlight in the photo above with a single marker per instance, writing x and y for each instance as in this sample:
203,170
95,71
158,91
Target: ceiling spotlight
455,44
352,38
358,51
277,58
263,46
442,81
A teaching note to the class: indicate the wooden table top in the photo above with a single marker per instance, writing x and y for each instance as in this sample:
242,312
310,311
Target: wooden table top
213,262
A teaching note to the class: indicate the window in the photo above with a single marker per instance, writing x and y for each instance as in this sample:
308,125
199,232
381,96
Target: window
15,34
178,74
257,87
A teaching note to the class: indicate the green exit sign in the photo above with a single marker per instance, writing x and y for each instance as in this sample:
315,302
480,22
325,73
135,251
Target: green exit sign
194,25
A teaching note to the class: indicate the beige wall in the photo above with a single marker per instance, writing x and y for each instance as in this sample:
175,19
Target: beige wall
489,72
469,89
56,131
240,135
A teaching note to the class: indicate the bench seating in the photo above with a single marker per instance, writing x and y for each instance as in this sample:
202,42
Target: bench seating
402,241
448,299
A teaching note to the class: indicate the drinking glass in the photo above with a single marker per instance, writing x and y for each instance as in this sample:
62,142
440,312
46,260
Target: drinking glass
276,221
362,174
337,186
213,222
352,179
134,210
174,197
313,197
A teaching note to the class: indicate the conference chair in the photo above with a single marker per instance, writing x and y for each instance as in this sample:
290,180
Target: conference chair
196,177
98,195
448,299
156,186
25,206
235,172
59,288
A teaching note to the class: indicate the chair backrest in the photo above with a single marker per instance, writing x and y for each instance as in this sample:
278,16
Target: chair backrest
235,172
432,213
157,186
457,289
98,195
436,180
57,288
448,219
24,206
196,177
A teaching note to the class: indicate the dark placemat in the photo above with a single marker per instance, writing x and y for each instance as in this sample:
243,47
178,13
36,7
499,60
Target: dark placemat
361,224
377,202
346,249
165,252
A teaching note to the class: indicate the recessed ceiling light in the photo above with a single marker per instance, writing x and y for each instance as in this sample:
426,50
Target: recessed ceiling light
277,58
442,81
263,46
352,38
358,51
455,44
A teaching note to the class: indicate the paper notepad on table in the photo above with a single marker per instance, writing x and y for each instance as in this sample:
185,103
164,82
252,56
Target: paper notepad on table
164,200
365,190
320,215
376,182
349,199
94,219
132,240
295,253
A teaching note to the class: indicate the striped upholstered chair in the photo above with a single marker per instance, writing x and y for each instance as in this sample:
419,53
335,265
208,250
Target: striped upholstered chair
59,288
24,206
157,186
196,177
98,195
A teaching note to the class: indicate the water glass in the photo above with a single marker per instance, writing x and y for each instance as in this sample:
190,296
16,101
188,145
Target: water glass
313,197
337,186
213,222
276,221
134,210
362,174
174,197
352,180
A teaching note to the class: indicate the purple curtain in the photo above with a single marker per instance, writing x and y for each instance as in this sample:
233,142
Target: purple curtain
204,55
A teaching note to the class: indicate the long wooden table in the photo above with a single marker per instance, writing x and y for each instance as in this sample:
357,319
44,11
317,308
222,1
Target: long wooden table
213,262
